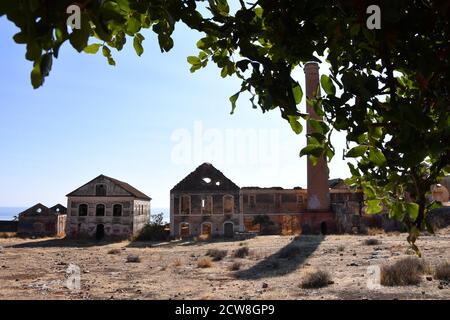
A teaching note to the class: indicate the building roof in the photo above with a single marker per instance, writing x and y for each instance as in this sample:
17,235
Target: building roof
38,210
127,187
59,209
205,178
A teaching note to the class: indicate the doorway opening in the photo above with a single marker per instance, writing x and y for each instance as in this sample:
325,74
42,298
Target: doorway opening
100,232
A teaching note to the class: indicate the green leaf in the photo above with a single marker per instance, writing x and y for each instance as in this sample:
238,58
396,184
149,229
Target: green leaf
133,26
92,48
194,60
368,190
79,37
327,85
357,151
137,44
397,211
36,76
33,51
295,124
376,156
312,149
46,64
233,100
374,206
298,93
413,210
20,37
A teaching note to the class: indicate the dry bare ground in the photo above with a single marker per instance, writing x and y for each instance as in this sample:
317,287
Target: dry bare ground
274,268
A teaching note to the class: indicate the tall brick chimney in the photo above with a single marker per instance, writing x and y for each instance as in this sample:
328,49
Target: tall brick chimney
318,192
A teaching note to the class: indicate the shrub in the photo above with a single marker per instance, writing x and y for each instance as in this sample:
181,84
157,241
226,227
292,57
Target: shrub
263,221
204,263
371,242
404,272
442,271
217,254
340,248
316,279
114,251
289,252
241,252
133,258
235,266
153,231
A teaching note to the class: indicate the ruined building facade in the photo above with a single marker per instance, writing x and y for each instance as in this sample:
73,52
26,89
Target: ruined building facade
208,203
41,221
106,207
205,202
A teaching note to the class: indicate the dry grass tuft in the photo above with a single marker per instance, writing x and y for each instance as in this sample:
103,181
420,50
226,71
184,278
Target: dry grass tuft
177,262
442,271
217,254
133,258
375,231
7,235
114,251
316,279
289,252
204,263
242,252
371,242
235,266
404,272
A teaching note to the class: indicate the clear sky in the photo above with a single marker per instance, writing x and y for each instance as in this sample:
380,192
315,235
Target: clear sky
148,121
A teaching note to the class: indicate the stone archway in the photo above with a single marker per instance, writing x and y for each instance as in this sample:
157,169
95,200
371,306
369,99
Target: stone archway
228,229
185,230
206,229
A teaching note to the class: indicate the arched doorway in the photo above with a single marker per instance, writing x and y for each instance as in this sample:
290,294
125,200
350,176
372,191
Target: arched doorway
323,228
206,229
228,229
100,232
184,230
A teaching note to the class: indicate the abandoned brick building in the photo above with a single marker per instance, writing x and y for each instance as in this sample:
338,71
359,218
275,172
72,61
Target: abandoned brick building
106,207
208,203
40,221
205,202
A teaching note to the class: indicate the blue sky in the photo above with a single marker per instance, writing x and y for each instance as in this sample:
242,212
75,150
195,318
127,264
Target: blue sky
134,122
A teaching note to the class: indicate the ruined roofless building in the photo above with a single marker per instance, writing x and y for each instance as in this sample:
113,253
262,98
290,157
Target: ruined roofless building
41,221
205,202
106,207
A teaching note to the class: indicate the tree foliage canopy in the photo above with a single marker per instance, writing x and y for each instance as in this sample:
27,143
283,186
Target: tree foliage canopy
393,100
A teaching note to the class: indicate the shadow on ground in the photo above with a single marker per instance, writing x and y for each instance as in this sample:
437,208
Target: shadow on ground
62,243
285,260
181,242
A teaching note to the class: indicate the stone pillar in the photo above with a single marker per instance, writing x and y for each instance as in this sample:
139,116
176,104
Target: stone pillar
317,185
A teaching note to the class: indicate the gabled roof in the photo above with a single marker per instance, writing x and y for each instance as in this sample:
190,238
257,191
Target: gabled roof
59,209
205,178
38,209
130,189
